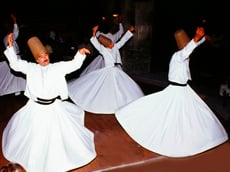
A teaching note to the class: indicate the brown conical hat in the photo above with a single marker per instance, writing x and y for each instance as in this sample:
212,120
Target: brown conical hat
104,40
36,47
181,38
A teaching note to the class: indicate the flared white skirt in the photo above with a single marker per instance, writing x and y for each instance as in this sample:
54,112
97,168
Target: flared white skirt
10,82
96,64
174,122
48,138
104,91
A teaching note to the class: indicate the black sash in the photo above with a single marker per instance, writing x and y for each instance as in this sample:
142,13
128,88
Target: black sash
46,101
177,84
117,64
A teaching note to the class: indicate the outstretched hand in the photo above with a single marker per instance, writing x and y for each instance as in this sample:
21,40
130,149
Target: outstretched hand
84,51
13,18
94,30
10,39
199,34
131,28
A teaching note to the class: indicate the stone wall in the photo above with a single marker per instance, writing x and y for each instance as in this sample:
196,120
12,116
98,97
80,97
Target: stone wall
137,52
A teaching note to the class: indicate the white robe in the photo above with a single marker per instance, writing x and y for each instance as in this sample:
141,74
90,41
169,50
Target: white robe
10,82
105,90
174,122
15,37
98,62
45,138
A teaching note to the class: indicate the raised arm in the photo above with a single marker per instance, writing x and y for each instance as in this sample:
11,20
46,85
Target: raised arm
10,39
199,34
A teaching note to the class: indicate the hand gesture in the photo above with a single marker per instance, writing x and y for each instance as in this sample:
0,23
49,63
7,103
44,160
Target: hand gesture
13,18
131,28
10,39
199,34
84,51
94,29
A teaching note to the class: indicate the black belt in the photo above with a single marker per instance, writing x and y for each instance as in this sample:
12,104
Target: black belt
46,101
117,64
177,84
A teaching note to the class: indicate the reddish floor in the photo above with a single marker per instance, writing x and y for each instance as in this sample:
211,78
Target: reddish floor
117,152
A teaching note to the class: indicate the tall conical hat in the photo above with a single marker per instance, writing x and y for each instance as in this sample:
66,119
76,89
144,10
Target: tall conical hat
181,38
104,40
36,47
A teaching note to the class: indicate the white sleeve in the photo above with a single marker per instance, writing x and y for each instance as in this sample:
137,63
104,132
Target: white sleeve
15,63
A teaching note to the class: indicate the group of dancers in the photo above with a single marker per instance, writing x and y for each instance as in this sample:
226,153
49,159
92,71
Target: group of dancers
48,132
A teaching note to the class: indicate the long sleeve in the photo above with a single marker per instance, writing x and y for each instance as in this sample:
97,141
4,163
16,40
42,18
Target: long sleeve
114,37
188,49
45,81
96,44
15,32
111,56
179,71
67,67
124,39
15,37
15,63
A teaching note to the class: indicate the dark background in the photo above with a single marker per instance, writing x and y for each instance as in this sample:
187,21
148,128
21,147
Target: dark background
78,17
166,14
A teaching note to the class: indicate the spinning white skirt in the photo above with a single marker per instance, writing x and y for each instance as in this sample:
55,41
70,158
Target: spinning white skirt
48,138
96,64
9,82
105,90
174,122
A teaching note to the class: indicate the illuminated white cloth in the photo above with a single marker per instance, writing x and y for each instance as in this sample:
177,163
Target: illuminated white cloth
174,122
47,138
105,90
98,62
10,82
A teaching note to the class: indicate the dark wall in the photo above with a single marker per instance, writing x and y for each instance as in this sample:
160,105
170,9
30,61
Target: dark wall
78,17
211,57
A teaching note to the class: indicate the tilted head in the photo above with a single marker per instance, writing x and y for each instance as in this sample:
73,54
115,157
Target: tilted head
108,43
181,38
38,50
